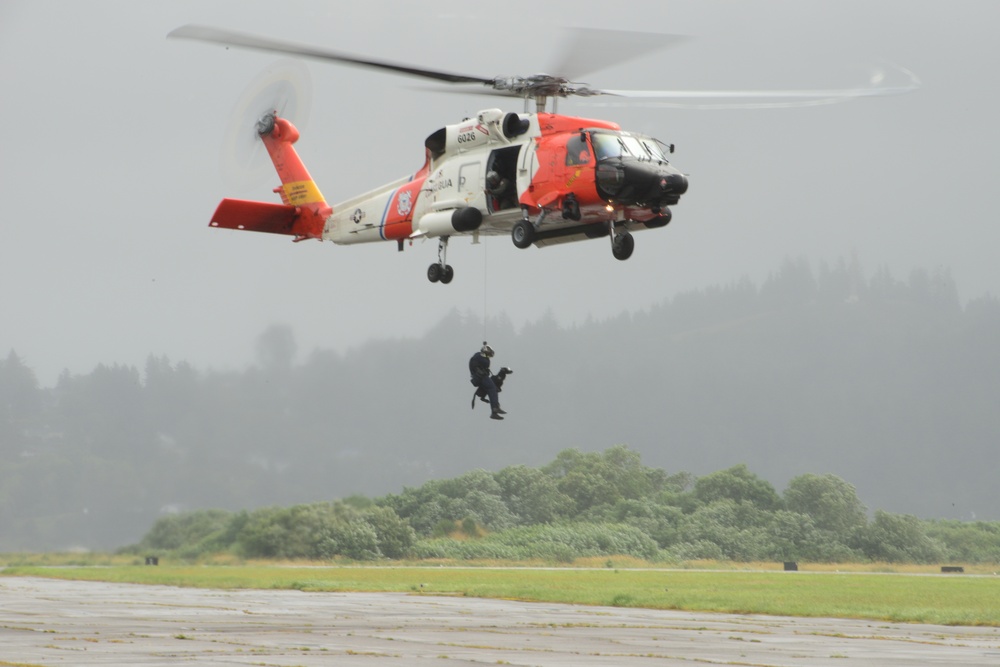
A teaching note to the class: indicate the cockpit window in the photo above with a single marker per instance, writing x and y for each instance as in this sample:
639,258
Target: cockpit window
607,146
633,147
653,147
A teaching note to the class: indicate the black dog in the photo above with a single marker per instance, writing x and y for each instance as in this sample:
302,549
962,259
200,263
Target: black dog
497,380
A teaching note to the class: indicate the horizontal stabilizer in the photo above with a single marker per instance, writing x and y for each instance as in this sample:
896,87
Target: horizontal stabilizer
255,216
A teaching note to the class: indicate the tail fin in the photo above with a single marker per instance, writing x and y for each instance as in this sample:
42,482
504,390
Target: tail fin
303,211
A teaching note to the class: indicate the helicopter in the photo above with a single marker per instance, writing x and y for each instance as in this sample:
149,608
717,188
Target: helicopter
540,177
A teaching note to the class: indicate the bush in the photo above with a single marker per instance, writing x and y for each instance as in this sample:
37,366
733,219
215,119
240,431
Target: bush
560,543
976,542
739,529
697,550
898,538
354,539
326,530
183,530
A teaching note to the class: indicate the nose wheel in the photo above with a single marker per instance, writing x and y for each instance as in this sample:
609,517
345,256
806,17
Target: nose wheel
441,271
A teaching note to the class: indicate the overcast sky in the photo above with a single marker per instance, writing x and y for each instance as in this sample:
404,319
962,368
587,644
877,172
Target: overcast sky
110,166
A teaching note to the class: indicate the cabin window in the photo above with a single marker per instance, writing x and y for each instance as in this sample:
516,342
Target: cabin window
577,150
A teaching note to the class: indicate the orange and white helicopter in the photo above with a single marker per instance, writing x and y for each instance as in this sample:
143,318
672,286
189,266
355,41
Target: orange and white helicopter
541,177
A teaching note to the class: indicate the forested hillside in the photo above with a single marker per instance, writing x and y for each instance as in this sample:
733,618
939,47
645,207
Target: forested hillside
888,384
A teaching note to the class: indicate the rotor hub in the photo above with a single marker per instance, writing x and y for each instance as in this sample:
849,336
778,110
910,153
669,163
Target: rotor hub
265,124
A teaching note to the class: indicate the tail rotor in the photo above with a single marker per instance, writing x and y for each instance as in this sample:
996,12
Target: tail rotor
282,90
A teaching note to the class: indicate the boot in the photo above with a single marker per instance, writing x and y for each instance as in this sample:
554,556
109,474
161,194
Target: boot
495,415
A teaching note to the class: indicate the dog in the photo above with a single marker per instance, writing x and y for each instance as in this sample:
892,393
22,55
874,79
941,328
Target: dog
498,379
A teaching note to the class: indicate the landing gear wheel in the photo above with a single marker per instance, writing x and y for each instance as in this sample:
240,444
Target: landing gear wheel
447,274
622,246
522,234
434,273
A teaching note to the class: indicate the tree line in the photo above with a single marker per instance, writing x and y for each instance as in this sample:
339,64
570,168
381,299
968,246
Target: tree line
582,505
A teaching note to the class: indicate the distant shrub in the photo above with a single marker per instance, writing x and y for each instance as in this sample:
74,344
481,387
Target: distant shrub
561,543
184,530
697,550
975,542
898,538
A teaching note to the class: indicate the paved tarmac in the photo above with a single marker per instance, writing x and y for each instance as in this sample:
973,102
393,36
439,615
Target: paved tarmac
52,622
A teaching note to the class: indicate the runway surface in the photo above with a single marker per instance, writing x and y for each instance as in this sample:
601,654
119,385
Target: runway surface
52,622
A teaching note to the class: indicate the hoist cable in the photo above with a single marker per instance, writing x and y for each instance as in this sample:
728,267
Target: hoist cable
485,295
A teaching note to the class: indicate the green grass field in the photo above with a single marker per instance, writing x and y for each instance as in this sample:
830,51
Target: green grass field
903,597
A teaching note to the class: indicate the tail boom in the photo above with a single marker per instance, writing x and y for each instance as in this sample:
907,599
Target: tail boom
303,211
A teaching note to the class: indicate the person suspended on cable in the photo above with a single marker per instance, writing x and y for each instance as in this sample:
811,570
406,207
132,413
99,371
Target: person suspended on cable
487,385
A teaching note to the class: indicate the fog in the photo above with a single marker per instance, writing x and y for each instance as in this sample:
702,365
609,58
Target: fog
111,169
111,166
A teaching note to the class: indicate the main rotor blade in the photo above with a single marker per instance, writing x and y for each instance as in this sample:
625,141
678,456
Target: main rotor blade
588,50
730,99
217,36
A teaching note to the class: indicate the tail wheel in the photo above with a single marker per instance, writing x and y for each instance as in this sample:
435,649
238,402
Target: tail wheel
522,234
622,246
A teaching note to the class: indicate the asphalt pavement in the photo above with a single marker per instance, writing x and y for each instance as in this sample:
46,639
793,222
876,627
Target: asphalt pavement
54,622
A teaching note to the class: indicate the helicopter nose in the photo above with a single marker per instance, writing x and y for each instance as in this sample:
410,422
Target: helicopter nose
640,183
653,183
674,184
677,184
